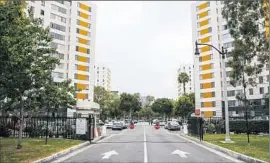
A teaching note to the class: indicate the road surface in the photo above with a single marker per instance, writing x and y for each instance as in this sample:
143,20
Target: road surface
145,144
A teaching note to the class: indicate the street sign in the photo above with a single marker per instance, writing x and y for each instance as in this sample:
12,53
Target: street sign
180,153
81,126
107,155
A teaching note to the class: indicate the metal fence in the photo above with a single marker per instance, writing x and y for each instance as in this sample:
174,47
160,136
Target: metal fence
34,127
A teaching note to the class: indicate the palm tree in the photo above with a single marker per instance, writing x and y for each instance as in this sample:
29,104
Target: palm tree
183,79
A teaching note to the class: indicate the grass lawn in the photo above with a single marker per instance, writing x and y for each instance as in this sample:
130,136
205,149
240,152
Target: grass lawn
33,149
258,147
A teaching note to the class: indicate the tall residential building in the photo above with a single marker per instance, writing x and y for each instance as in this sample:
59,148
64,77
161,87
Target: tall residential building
188,69
103,77
208,26
73,27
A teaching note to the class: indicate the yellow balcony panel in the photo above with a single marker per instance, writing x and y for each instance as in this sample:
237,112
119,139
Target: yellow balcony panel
208,114
207,85
82,59
204,31
205,39
82,68
81,49
207,66
83,15
203,23
203,14
81,86
206,76
83,23
83,32
203,6
82,77
83,41
207,95
205,49
207,104
81,96
206,58
85,7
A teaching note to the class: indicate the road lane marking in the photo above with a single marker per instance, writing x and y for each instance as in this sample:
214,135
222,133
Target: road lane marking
107,155
180,153
208,148
145,147
61,159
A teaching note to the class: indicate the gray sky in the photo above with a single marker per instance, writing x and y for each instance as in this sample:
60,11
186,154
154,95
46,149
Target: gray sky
144,43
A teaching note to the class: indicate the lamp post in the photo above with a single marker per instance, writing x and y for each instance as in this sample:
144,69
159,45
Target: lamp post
223,52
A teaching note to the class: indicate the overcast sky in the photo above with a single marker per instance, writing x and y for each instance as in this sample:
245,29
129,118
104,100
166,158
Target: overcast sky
143,44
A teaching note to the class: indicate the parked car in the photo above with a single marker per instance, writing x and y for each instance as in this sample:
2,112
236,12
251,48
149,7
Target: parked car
135,121
117,126
125,125
108,124
162,123
173,125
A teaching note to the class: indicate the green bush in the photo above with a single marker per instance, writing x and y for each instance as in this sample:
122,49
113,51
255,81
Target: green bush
211,128
4,131
254,126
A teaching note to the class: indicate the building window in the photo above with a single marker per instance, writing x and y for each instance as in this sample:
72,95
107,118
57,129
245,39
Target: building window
251,91
42,12
213,94
58,27
58,36
261,90
57,17
213,84
230,93
59,9
42,3
210,29
231,103
224,27
260,79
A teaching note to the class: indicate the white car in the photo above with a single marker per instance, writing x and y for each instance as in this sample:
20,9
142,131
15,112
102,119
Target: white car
109,125
125,125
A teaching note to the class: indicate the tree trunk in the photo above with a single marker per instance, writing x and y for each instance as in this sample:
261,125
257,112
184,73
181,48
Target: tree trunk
19,145
184,88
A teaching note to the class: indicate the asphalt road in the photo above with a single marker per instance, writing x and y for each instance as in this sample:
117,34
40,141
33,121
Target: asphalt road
148,145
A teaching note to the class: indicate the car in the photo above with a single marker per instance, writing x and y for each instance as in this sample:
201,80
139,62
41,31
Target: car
173,125
162,123
108,124
125,124
135,121
117,126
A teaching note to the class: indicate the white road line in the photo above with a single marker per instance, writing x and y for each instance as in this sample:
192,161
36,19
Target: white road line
209,149
61,159
145,147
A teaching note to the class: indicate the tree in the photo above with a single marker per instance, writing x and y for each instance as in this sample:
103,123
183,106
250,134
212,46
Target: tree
102,97
25,61
163,106
130,103
185,105
183,79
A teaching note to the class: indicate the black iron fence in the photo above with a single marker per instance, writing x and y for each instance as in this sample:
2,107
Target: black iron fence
199,126
37,127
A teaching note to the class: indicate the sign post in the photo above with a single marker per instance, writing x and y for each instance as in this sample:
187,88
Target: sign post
81,126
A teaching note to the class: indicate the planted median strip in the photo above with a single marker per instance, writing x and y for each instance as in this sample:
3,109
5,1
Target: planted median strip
33,149
258,147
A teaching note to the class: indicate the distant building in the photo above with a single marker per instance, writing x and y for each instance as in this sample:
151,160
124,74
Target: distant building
187,68
103,77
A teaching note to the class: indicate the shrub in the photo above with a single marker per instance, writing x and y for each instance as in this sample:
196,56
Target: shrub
254,126
4,131
211,128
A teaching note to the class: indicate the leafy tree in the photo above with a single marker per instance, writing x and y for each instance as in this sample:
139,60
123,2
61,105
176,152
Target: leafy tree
185,105
244,20
25,61
183,79
163,106
102,97
130,103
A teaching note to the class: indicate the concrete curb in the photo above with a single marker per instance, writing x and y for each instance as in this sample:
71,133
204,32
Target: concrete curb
67,151
231,153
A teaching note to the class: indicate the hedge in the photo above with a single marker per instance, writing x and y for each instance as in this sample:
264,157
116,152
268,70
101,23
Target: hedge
253,126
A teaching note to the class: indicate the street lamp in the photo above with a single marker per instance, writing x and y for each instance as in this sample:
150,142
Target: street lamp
223,52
